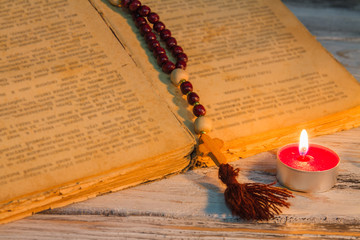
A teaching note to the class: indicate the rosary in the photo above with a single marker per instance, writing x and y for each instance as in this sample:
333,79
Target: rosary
250,201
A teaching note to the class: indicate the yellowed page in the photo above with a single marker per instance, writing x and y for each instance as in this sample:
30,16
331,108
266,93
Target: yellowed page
72,102
254,65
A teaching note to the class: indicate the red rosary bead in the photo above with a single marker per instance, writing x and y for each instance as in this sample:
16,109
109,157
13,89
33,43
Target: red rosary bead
159,26
182,57
180,64
144,29
162,58
134,5
186,87
153,44
168,67
150,36
165,34
140,21
153,17
199,110
171,42
158,50
144,10
176,50
193,98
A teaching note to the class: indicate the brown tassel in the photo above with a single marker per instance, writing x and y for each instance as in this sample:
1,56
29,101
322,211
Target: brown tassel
250,201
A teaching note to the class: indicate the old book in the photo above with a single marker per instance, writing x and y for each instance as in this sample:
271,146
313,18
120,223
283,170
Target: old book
85,110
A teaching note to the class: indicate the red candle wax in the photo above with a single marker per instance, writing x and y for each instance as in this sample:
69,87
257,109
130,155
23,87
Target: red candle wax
318,158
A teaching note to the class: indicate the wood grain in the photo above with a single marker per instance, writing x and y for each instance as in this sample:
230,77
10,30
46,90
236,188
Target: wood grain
158,227
191,205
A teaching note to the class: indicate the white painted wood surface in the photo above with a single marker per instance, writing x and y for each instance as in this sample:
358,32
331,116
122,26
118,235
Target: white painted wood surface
191,205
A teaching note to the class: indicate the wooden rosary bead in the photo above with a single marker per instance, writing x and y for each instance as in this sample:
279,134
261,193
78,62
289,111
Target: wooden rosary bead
178,75
203,124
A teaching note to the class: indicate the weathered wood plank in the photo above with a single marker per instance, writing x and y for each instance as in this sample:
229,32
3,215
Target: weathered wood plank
152,227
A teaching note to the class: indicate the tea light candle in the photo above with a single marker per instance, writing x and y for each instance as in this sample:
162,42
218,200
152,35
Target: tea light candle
307,168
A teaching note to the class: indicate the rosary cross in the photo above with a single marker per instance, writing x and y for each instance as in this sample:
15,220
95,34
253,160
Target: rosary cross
212,145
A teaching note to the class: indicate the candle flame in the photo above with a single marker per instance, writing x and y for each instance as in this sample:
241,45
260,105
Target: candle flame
304,143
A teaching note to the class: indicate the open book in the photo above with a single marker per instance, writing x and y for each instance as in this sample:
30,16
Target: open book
85,110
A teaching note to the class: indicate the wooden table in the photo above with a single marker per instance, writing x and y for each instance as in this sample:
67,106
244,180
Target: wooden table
191,205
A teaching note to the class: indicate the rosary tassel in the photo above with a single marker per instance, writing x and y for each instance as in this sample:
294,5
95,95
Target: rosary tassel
250,201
